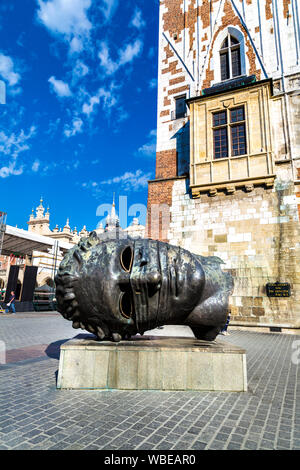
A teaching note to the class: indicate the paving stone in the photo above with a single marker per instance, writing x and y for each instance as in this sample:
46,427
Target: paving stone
237,438
283,444
251,445
38,439
222,437
266,444
217,445
198,445
35,415
233,446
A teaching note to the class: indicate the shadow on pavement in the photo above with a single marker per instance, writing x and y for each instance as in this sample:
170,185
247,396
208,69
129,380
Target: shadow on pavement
53,350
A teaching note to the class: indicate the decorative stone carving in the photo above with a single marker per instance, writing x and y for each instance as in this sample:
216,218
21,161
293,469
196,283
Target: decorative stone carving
249,187
213,192
230,189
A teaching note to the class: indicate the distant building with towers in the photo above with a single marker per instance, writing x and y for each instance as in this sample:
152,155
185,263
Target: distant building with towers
40,223
112,225
47,261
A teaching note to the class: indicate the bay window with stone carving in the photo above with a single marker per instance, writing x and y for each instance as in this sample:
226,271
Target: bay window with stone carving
231,139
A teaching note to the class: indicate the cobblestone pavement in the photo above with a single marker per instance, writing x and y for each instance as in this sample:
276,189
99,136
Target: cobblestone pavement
34,415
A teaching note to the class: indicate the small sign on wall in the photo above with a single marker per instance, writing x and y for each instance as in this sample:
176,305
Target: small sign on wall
278,289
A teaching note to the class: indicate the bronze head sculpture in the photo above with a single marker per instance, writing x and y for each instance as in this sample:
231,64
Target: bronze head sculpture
115,288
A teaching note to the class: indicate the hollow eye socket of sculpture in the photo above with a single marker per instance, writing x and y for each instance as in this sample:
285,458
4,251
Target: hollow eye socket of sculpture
126,308
126,259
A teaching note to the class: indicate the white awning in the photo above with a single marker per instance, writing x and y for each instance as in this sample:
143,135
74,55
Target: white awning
20,241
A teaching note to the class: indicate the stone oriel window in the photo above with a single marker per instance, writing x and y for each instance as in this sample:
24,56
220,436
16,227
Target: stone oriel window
229,133
230,58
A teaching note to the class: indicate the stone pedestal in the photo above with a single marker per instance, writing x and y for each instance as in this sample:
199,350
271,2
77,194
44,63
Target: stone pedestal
152,363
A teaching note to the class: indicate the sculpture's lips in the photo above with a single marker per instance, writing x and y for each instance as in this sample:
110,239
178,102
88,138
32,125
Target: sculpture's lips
169,283
145,280
140,300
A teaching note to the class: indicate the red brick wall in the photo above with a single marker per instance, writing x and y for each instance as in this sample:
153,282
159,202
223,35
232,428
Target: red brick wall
166,164
159,194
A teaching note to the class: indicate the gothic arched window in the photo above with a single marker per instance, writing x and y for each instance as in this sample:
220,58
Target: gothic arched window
230,58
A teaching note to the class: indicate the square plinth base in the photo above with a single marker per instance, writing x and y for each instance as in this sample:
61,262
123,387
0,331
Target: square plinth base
152,363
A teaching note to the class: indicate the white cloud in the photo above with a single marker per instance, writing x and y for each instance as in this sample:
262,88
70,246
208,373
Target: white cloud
46,168
105,61
130,52
88,108
137,20
61,88
67,18
107,97
35,166
80,70
75,128
15,144
76,45
149,148
109,7
53,126
9,170
130,181
153,83
126,55
11,146
7,71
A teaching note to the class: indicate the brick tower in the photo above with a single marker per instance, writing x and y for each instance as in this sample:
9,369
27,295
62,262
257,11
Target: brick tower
228,146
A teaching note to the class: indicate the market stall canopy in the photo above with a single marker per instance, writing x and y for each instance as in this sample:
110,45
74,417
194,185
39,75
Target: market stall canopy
22,242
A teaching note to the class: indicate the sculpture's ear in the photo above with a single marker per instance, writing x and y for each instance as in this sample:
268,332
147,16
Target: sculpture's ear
93,237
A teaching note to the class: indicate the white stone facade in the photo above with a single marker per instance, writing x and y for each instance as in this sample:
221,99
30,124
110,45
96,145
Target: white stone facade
269,35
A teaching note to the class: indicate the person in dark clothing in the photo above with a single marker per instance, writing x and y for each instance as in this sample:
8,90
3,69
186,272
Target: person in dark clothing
11,303
224,331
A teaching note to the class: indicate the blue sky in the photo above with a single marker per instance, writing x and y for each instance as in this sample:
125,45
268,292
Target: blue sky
80,115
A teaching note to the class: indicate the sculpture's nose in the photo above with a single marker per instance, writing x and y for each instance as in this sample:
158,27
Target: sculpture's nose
124,280
141,277
153,279
145,275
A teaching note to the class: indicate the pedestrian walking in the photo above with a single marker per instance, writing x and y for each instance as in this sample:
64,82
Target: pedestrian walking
11,303
224,331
